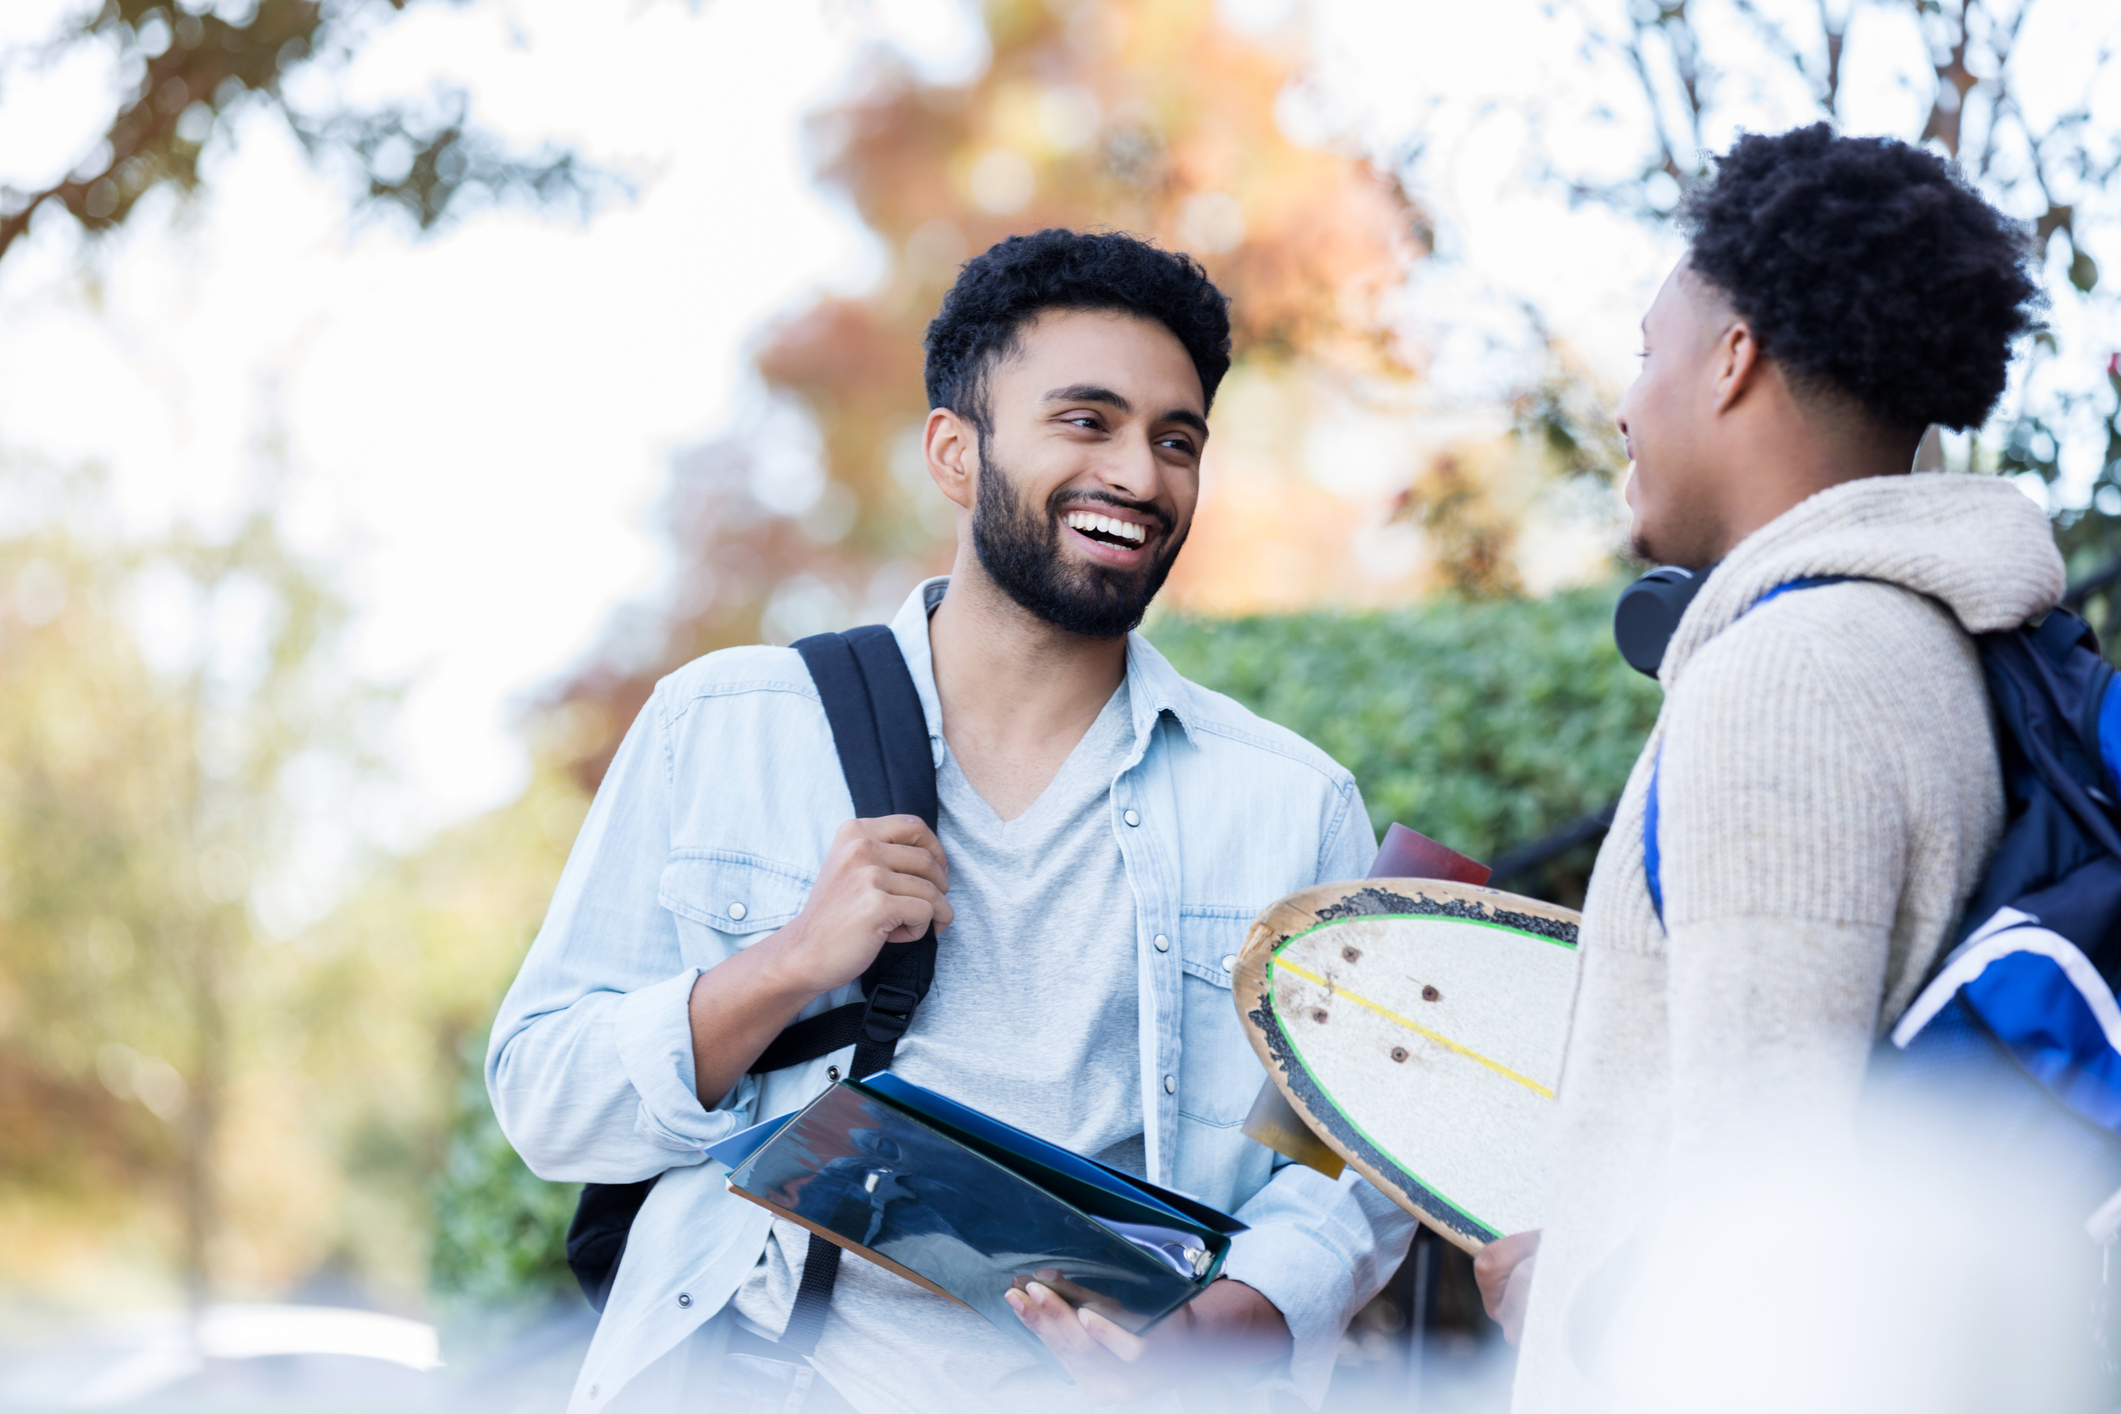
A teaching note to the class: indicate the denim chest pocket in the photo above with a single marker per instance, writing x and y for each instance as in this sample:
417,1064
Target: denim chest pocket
740,897
1222,1070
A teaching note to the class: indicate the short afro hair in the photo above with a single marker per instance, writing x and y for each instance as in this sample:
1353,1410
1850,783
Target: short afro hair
1001,290
1868,268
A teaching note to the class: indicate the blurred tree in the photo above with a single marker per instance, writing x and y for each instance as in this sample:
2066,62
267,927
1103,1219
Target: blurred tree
200,1064
162,702
2043,145
184,68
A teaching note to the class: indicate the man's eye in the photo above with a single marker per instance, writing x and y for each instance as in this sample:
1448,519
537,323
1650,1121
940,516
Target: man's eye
1177,444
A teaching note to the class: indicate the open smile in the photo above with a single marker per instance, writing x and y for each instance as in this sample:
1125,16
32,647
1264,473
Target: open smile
1108,530
1114,539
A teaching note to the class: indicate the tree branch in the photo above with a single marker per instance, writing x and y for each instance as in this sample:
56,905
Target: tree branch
206,61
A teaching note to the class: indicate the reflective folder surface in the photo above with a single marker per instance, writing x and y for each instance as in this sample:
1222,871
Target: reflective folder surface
967,1206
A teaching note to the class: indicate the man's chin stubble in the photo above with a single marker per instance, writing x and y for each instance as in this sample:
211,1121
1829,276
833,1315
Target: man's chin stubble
1029,564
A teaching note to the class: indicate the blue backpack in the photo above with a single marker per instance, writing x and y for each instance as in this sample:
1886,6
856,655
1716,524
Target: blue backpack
2017,1032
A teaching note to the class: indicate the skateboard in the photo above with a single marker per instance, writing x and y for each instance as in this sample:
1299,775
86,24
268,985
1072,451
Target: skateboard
1416,1027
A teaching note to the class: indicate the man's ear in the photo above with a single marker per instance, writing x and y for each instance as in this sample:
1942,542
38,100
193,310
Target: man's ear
952,448
1738,363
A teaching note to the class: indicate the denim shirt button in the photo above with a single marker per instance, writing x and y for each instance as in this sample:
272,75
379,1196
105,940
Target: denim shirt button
1163,944
1131,818
685,1298
1170,1085
1230,963
737,911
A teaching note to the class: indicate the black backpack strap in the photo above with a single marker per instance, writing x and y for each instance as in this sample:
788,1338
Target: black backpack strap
881,733
596,1239
812,1037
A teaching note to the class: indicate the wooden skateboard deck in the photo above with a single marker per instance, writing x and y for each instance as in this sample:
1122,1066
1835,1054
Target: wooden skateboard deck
1417,1027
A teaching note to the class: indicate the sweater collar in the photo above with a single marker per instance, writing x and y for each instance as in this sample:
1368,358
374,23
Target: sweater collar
1976,544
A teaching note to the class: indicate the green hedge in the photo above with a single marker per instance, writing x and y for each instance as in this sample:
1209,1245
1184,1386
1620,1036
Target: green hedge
500,1230
1483,725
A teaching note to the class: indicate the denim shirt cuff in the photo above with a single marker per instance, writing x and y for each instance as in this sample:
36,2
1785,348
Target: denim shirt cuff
652,1027
1310,1287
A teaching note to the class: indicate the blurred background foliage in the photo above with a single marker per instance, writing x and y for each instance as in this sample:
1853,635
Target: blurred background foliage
1148,117
2027,138
216,1077
1483,723
188,70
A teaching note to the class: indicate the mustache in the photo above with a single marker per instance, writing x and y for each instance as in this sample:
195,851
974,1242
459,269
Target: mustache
1150,509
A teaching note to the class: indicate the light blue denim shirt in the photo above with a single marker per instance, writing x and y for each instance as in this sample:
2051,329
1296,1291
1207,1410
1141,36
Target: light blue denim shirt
705,837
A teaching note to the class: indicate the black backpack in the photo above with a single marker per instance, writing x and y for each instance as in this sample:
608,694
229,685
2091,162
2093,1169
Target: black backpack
881,734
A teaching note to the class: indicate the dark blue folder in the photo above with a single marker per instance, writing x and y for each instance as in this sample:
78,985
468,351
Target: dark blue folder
967,1206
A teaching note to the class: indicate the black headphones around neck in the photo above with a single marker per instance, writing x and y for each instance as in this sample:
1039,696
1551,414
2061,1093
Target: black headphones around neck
1649,612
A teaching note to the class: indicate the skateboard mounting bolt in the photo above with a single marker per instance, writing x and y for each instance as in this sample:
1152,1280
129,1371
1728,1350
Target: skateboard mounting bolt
1319,1016
1399,1053
1430,994
1351,954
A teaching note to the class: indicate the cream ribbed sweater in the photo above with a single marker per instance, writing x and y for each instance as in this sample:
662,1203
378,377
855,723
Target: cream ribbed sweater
1829,794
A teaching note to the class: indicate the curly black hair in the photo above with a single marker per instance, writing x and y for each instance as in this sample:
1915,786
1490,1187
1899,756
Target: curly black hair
1868,267
1002,289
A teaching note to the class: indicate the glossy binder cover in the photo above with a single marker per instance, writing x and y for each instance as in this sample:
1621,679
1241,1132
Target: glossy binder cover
967,1206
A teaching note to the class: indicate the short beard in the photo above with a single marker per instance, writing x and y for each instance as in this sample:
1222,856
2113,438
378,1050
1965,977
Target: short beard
1020,550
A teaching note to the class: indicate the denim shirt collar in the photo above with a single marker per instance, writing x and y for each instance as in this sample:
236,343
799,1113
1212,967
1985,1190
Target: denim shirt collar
1153,685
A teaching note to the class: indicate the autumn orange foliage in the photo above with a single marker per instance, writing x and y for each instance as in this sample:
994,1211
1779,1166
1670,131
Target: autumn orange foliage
1148,117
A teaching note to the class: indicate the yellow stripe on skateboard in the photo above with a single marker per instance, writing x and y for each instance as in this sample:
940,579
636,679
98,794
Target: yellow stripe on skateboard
1416,1027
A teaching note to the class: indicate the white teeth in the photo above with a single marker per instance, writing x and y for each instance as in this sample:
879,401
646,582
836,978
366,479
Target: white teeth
1106,525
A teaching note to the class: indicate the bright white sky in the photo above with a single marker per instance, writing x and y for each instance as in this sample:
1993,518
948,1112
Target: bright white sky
478,424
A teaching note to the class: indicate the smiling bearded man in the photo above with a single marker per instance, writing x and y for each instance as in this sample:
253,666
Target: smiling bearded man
1106,831
1020,551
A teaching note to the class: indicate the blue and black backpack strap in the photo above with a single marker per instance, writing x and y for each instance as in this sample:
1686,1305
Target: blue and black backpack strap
2040,950
880,732
1652,871
1652,855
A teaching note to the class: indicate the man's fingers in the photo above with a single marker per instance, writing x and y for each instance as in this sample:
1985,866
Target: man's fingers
1123,1343
909,901
1509,1251
1501,1266
910,860
1054,1322
1515,1298
899,829
1037,1316
1097,1354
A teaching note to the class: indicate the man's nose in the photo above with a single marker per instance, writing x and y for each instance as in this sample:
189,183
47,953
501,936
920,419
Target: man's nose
1133,471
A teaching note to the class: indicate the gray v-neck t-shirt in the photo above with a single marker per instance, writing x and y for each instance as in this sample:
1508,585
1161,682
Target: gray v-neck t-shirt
1033,1018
